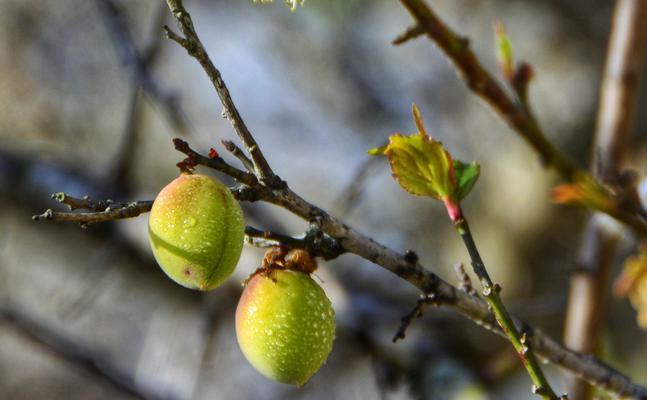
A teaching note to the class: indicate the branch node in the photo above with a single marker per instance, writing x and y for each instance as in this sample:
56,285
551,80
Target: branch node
410,33
411,257
465,283
416,312
239,154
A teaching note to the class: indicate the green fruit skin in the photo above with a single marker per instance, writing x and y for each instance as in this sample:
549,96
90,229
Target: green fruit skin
196,230
285,325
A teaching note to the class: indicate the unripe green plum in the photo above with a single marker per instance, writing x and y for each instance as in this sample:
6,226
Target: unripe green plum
285,325
196,230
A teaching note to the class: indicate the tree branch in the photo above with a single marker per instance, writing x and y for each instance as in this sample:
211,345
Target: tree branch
619,95
96,213
191,42
515,112
409,269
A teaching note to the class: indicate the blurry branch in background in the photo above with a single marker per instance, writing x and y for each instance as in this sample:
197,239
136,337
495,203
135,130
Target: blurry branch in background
140,61
517,113
485,86
71,351
352,195
264,185
619,95
142,82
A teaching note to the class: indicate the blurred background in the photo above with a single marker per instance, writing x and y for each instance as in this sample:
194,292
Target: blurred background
91,95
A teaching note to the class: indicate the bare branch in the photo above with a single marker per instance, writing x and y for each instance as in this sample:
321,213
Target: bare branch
416,312
410,33
191,42
218,164
111,212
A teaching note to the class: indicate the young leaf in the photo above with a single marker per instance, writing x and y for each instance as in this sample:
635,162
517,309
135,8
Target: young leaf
419,163
423,167
466,176
504,51
584,191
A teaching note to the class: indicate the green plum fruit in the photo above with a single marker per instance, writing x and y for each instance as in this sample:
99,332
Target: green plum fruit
196,230
285,325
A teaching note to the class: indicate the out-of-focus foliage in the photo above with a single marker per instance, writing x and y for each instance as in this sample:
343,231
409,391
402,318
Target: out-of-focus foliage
633,283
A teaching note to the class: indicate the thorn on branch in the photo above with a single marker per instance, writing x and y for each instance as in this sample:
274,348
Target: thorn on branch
411,32
415,313
465,283
170,34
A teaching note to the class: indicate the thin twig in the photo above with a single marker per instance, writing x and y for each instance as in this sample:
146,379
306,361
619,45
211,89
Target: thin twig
126,155
410,33
110,213
217,163
351,195
85,203
191,42
415,313
491,293
619,95
139,62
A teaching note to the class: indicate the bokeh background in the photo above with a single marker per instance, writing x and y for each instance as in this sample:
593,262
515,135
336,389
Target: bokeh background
91,95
